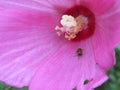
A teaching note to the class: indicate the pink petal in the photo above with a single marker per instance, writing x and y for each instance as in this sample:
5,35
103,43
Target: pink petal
25,43
65,70
103,51
110,21
107,37
29,4
98,6
44,5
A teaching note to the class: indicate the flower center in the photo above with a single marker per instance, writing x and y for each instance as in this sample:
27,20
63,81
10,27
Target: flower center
77,23
71,26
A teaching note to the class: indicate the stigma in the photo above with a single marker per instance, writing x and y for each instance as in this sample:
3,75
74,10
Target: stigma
71,26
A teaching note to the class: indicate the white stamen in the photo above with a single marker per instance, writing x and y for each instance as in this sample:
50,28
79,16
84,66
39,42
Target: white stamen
68,21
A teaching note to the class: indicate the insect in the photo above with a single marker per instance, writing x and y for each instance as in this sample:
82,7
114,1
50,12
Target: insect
75,88
87,81
79,52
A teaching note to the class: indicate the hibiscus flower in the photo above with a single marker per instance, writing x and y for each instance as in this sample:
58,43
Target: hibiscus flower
56,44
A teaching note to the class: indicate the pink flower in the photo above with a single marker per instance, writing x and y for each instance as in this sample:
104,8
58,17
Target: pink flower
75,60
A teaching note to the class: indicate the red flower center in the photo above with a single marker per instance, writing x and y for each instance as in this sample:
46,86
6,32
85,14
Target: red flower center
84,11
78,23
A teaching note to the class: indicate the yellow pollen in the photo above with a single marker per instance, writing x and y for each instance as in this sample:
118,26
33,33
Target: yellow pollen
58,33
71,26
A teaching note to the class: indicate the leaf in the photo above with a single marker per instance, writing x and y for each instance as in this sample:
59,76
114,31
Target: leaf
6,87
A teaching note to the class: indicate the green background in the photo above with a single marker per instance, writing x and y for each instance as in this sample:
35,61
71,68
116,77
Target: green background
112,84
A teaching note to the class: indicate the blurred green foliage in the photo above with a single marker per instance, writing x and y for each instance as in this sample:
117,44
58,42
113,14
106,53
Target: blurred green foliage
114,75
6,87
112,84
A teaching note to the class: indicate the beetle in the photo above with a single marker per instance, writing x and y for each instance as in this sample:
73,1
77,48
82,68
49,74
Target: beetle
75,88
79,52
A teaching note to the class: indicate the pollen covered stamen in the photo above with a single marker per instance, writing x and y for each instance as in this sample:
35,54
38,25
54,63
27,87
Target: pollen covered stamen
68,21
71,26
